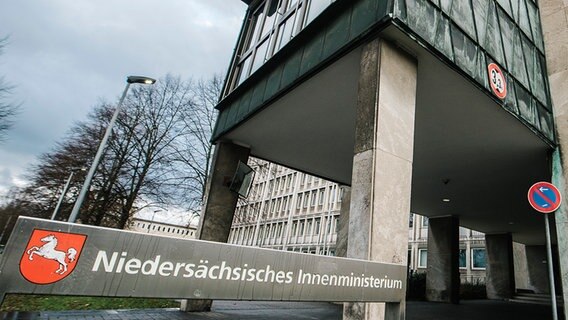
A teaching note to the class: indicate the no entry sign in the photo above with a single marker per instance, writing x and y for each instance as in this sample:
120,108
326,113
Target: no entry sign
544,197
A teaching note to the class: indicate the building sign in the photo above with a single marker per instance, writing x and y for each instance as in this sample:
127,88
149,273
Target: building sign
46,257
497,80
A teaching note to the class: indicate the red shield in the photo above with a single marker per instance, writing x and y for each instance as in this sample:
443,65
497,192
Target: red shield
51,256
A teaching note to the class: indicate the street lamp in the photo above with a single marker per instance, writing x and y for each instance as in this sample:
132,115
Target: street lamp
129,80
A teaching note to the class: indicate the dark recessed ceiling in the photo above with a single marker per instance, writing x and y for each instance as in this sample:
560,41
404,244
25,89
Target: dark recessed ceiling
466,149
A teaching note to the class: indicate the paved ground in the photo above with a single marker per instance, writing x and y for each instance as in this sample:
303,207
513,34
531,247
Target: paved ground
477,309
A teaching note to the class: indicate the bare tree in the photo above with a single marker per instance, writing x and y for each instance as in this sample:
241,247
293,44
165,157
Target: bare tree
158,155
8,109
192,152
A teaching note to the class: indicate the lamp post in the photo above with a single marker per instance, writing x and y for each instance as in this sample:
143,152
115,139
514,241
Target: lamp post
129,80
153,215
64,191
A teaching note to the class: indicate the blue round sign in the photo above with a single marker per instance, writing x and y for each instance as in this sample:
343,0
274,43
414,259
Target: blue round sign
544,197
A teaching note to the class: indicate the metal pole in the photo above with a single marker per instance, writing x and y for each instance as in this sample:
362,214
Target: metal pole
4,231
98,156
550,268
62,195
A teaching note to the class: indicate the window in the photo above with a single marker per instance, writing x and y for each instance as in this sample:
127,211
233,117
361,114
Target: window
306,199
317,226
260,235
285,204
320,198
424,221
462,259
271,26
309,227
314,9
422,258
299,201
411,220
301,228
313,200
478,258
294,228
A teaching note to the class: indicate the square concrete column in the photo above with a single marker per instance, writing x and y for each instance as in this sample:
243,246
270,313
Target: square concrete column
500,270
537,265
220,202
442,273
382,166
219,205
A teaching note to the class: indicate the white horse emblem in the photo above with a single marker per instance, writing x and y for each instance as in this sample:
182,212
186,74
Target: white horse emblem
48,251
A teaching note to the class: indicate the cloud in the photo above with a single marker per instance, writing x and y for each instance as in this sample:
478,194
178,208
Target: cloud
64,56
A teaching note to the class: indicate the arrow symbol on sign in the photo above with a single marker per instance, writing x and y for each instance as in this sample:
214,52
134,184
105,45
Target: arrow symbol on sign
543,189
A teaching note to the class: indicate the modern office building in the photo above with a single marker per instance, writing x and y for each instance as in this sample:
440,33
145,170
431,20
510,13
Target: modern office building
294,211
288,210
162,228
449,108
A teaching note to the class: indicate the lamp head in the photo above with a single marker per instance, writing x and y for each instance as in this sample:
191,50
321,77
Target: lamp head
140,79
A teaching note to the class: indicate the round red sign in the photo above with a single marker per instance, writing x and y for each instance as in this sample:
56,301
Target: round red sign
544,197
497,80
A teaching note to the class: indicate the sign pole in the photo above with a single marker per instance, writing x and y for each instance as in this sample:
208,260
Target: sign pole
545,198
550,267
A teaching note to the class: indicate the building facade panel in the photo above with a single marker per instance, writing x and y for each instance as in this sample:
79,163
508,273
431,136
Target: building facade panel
313,42
294,211
469,35
472,35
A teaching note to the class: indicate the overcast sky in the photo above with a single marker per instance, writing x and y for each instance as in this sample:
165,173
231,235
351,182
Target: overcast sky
63,56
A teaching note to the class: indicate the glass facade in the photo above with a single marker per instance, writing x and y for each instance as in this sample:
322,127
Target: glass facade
271,25
472,34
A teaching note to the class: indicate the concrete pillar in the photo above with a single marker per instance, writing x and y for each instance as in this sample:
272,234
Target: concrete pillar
500,272
554,20
538,269
343,223
382,166
442,273
522,279
219,205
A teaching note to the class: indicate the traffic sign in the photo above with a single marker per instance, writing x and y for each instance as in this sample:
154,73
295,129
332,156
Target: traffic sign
544,197
497,80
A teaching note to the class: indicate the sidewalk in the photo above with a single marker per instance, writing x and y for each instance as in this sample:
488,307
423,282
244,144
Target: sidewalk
245,310
248,310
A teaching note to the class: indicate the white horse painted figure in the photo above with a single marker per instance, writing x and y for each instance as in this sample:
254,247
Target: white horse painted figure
48,251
